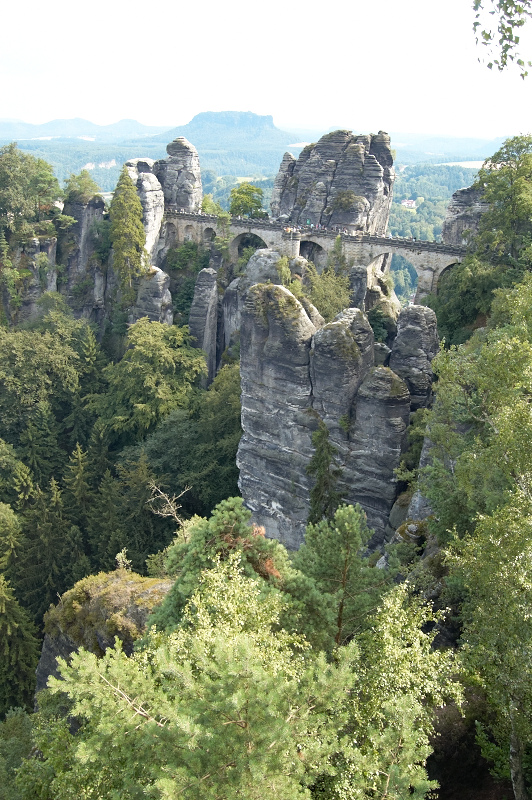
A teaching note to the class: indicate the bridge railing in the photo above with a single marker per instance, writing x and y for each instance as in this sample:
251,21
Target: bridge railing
306,230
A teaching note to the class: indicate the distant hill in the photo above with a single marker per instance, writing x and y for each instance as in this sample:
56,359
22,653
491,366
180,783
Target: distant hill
235,142
76,128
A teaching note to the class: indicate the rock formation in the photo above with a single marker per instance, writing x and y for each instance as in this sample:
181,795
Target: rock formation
153,298
96,610
413,349
180,175
151,197
203,320
463,216
344,180
295,373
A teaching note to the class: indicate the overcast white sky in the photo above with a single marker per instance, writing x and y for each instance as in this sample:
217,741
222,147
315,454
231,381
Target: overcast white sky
398,66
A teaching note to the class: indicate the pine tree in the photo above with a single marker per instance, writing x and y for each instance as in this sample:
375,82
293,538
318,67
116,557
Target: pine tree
19,652
41,572
106,530
40,447
324,495
127,235
77,494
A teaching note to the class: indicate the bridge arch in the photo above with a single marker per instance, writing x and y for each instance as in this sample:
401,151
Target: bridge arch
313,251
244,240
209,235
190,233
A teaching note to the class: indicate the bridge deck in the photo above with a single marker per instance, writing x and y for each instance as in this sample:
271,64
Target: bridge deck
304,231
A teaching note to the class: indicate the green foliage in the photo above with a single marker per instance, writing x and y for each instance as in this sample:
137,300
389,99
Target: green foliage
246,201
378,320
404,278
16,743
154,377
183,264
19,653
397,681
497,632
324,495
130,259
80,188
502,247
196,447
502,44
28,189
210,206
329,290
341,588
204,541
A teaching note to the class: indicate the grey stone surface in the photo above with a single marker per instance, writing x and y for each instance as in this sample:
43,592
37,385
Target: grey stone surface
203,320
463,217
293,374
42,277
413,349
419,507
340,357
276,394
343,180
53,647
153,298
151,197
180,175
382,411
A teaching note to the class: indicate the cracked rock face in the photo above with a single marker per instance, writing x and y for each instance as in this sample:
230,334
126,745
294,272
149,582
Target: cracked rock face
413,349
343,180
463,217
203,320
180,175
151,197
294,373
153,298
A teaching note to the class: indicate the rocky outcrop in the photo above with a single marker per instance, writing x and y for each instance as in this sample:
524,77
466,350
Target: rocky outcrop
463,216
413,349
203,320
95,611
151,197
180,175
153,298
343,180
295,374
276,447
37,259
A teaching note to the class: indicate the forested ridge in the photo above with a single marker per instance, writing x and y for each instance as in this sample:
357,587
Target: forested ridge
312,674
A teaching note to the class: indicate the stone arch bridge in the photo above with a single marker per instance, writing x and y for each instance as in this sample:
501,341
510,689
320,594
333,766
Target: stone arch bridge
429,259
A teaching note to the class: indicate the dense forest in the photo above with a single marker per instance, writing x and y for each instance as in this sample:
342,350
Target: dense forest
326,673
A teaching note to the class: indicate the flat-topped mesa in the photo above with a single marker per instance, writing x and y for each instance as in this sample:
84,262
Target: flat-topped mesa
180,175
344,180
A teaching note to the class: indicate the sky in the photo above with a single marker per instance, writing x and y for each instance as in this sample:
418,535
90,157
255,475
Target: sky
384,65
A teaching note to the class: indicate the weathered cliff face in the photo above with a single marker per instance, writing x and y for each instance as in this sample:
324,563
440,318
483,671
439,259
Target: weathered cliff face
153,298
85,281
151,197
463,217
203,320
37,259
295,373
413,349
343,180
180,175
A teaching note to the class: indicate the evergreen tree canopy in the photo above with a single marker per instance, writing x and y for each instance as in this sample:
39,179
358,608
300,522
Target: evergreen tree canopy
130,259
